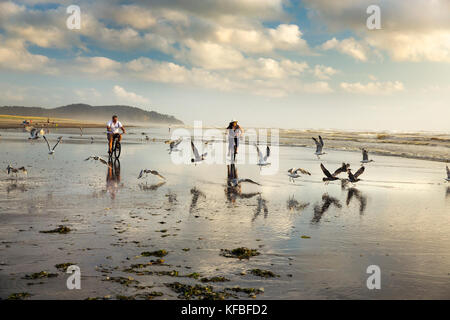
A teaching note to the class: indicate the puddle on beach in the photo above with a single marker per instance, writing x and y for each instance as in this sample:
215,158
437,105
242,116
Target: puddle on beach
317,239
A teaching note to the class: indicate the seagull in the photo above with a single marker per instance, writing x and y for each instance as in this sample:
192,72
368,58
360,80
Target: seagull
293,173
34,133
236,182
147,171
329,177
197,156
319,147
52,150
10,169
448,174
354,177
262,159
173,144
97,158
365,155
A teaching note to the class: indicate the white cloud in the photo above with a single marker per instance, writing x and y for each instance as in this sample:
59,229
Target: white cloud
347,46
129,97
323,72
373,88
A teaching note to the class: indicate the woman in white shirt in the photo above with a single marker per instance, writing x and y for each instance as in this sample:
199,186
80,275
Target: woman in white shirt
234,133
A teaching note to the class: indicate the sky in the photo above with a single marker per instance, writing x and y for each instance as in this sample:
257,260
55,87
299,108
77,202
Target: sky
268,63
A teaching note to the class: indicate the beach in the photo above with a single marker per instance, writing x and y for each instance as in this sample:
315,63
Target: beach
150,239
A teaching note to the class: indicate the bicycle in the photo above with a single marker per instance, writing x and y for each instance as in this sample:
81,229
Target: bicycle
116,146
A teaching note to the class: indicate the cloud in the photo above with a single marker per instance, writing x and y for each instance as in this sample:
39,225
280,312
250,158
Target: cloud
349,47
373,88
129,97
323,72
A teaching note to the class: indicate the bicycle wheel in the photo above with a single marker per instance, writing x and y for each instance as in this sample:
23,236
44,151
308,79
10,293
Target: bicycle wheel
117,149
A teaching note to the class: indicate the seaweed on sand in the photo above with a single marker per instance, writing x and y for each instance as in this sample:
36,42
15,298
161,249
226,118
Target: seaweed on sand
158,253
122,280
240,253
61,229
197,291
40,275
63,266
214,279
263,273
19,296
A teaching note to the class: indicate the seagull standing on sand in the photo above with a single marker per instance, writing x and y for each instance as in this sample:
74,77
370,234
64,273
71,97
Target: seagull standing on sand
147,171
50,149
262,159
319,147
448,174
197,156
10,169
353,178
294,173
365,155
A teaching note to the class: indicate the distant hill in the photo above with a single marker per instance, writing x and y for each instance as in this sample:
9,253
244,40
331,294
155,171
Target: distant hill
85,112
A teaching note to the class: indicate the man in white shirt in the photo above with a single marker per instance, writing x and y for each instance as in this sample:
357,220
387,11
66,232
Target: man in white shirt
112,128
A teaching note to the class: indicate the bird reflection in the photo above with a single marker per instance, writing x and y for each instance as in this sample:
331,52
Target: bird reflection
234,188
196,194
294,205
113,178
151,187
353,192
16,186
327,201
447,194
261,206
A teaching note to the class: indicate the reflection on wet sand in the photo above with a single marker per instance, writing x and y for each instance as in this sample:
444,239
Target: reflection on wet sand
353,192
262,206
151,187
195,195
447,194
234,188
113,178
16,186
327,201
294,205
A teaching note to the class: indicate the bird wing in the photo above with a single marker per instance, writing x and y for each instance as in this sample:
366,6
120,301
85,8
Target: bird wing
365,154
141,174
325,171
448,172
103,161
260,155
318,145
267,153
59,140
359,172
341,169
321,141
195,151
156,173
48,145
302,171
351,177
178,142
248,180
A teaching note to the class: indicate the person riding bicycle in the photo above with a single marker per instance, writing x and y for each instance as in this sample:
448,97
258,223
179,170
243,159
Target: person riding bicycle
112,128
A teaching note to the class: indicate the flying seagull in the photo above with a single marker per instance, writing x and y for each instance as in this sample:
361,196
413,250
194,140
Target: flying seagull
34,133
353,178
332,177
147,171
319,147
448,174
262,159
50,149
10,169
294,173
97,158
197,157
173,144
365,155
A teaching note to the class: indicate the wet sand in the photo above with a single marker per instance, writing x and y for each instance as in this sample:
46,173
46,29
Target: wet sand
317,239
